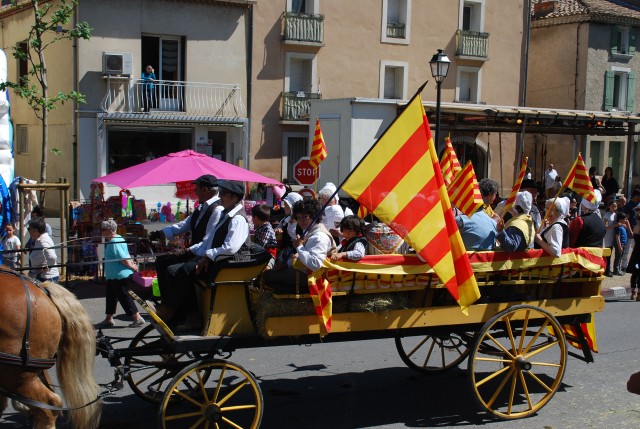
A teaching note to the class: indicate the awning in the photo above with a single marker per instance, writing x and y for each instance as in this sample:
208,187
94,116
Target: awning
169,119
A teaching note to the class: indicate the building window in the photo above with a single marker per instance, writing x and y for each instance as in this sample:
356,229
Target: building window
396,21
22,143
296,147
623,40
619,89
471,15
595,156
23,64
393,80
309,7
468,84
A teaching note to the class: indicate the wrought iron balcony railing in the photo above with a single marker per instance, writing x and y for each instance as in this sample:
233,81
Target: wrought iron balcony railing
396,30
295,105
302,27
126,95
472,44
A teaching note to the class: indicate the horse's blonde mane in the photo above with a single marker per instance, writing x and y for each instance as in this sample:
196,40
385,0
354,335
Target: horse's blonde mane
75,359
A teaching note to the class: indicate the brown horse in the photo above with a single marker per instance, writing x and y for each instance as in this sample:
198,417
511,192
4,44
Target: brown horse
59,331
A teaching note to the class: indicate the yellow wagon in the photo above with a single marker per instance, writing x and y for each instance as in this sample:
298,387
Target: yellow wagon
515,336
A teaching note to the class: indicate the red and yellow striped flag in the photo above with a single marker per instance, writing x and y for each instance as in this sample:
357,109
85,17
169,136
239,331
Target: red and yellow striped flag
449,163
516,187
588,329
578,181
400,181
319,148
320,291
464,191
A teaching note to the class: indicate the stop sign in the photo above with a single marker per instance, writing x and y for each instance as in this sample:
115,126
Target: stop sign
304,173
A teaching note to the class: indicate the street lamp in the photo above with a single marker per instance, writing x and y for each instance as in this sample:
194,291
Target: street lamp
439,68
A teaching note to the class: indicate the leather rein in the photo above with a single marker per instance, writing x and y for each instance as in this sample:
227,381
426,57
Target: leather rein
24,359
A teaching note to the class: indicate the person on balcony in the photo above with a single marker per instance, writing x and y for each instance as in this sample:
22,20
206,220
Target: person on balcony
148,89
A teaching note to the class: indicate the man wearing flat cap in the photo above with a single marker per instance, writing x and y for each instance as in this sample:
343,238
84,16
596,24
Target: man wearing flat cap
172,267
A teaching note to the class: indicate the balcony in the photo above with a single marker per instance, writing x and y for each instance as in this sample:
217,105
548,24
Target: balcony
472,44
125,95
303,28
396,30
295,105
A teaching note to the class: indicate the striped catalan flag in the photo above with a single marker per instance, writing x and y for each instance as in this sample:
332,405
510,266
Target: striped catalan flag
464,191
516,187
449,163
320,291
588,329
578,181
318,148
400,181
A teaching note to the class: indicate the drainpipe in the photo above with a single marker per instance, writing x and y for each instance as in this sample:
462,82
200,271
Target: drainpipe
247,138
74,117
580,142
523,98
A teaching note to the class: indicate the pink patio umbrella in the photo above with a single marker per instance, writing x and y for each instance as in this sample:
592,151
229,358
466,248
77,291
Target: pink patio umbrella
180,166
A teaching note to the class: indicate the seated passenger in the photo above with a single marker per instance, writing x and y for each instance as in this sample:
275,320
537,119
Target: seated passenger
555,237
263,233
287,229
588,230
333,213
517,233
353,246
489,191
312,250
478,231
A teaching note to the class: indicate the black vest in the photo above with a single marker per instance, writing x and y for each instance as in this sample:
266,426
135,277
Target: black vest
351,244
223,229
592,232
198,231
565,234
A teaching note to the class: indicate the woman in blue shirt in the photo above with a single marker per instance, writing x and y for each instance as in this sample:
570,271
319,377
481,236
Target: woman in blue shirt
148,88
118,270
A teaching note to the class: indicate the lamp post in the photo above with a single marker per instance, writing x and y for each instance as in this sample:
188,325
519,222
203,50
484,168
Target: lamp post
439,68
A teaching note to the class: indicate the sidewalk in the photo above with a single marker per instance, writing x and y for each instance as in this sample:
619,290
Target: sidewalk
617,287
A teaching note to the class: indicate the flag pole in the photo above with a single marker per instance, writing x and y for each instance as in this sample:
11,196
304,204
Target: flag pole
418,92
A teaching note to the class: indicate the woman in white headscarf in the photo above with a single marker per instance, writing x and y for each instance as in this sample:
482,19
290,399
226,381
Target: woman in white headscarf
517,233
555,237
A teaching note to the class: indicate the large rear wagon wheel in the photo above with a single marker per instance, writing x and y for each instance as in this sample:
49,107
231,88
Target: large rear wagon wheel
212,393
149,376
516,365
433,354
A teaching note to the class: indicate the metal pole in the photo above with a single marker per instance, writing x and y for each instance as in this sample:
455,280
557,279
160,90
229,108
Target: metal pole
437,142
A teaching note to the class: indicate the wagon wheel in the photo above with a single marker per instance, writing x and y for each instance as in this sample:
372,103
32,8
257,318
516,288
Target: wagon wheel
516,364
229,398
149,376
434,353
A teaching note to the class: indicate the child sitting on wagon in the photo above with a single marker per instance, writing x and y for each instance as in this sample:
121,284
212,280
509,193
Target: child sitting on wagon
353,246
263,234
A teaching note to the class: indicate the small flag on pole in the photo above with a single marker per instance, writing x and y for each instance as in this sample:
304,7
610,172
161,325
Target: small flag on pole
464,191
449,163
578,180
318,149
516,187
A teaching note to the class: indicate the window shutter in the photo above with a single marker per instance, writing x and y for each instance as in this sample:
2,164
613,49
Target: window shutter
614,39
632,41
631,91
609,76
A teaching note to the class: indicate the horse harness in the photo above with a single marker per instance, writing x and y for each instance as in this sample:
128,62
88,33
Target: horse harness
24,359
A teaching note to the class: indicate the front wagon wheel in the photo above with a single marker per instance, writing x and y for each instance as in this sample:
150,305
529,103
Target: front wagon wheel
517,362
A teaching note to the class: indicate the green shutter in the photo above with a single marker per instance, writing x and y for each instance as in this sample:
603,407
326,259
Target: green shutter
632,41
631,91
608,90
614,39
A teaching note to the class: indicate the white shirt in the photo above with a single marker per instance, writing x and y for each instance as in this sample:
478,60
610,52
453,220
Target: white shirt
609,237
550,178
236,237
43,256
313,253
553,237
185,225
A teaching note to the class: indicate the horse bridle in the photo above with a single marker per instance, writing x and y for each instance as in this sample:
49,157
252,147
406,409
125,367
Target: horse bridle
24,359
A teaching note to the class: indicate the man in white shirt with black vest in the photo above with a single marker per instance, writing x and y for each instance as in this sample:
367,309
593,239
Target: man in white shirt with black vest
171,267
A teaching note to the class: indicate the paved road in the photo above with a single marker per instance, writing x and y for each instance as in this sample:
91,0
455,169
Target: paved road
364,384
